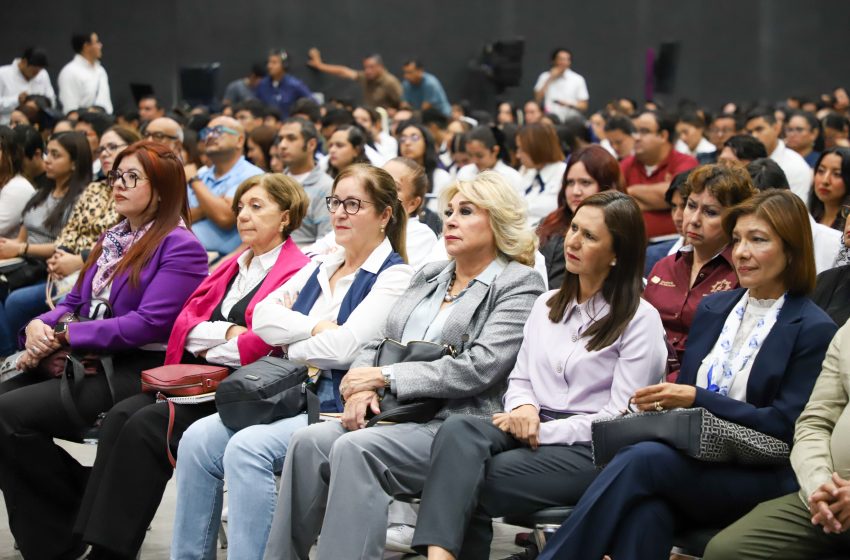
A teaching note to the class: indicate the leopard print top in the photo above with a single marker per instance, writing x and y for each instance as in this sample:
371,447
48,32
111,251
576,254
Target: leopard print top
93,213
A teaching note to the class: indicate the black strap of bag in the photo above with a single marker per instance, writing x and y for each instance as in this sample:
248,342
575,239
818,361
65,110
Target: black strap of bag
75,372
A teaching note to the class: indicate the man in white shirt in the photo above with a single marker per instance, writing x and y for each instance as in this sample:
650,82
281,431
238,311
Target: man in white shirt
26,75
83,81
562,91
762,124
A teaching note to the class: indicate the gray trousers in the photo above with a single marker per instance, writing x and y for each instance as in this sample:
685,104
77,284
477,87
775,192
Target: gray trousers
340,484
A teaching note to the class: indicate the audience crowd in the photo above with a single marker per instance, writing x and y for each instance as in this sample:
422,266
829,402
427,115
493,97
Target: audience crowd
571,264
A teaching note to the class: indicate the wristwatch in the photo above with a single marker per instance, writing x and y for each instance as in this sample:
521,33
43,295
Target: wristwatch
60,331
387,378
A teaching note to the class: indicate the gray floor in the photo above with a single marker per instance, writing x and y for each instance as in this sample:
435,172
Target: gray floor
159,537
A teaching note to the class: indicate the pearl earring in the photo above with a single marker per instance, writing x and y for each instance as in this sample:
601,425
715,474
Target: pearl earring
614,262
382,228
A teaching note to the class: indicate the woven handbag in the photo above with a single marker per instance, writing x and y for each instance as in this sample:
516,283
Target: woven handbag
696,432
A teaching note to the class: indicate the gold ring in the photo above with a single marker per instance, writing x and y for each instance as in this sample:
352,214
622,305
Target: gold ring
658,406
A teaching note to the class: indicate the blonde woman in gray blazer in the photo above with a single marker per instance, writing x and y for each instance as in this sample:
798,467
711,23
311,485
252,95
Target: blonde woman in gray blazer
339,478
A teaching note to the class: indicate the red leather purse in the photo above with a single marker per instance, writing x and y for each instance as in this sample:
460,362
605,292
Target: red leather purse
183,380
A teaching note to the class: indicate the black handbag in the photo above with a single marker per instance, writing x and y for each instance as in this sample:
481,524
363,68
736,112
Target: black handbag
696,432
265,391
415,410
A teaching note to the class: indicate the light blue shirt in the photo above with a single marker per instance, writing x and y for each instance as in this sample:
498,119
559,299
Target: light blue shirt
427,319
212,237
429,90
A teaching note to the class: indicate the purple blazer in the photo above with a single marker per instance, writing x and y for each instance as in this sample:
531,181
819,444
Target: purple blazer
142,315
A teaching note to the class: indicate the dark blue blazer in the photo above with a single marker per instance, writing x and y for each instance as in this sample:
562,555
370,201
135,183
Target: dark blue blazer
783,373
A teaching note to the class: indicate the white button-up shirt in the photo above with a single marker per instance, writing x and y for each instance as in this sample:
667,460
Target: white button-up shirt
212,335
542,198
13,83
569,86
278,325
511,175
83,84
796,169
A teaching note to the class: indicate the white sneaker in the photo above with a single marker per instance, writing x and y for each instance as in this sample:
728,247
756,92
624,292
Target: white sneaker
399,538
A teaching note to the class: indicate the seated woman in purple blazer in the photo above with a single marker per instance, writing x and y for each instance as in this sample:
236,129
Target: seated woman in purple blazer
145,267
214,327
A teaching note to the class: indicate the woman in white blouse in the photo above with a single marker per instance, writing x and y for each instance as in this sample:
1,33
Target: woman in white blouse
15,190
350,292
586,348
132,465
542,169
486,148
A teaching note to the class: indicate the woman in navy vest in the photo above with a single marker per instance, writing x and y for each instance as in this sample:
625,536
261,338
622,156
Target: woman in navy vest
752,358
322,317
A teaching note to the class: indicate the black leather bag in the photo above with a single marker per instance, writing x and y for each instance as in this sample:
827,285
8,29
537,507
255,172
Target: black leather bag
696,432
416,410
265,391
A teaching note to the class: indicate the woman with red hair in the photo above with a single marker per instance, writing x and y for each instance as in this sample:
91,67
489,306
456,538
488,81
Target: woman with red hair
145,267
591,170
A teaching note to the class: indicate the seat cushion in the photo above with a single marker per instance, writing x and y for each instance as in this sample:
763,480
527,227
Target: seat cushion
548,516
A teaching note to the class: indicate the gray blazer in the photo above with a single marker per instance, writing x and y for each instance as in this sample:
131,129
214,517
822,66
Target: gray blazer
485,328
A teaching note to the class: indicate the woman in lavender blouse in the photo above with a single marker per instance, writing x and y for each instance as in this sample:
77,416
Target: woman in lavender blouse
586,348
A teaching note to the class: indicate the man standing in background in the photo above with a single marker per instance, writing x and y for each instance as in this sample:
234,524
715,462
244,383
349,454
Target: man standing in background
83,81
562,91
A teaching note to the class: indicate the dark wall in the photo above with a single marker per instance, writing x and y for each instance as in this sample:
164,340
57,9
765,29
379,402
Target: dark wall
730,49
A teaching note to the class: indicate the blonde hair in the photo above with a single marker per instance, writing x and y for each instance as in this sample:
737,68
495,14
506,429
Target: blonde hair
507,210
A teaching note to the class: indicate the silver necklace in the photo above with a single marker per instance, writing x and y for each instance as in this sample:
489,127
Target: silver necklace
449,298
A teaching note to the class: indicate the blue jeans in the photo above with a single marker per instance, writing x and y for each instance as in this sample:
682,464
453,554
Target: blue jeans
250,458
20,307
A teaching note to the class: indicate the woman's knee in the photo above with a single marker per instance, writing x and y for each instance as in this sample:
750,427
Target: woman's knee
203,441
247,447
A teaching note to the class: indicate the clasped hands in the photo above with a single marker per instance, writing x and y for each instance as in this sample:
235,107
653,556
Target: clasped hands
359,389
830,505
523,422
40,343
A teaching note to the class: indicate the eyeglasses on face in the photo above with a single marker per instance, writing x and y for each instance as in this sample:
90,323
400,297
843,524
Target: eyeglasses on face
350,206
124,179
159,136
409,138
216,131
845,212
110,148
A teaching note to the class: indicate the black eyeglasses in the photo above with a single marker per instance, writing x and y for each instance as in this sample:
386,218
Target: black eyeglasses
128,179
350,206
159,136
845,212
111,148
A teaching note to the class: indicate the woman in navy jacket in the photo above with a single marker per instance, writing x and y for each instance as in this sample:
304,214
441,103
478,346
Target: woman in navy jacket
752,358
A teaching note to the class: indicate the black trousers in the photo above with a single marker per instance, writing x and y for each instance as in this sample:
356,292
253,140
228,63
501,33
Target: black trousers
131,471
479,472
42,484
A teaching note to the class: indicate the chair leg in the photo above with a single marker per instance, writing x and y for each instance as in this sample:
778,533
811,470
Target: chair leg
222,536
542,531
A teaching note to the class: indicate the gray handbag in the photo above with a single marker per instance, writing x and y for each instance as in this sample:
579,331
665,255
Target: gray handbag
696,432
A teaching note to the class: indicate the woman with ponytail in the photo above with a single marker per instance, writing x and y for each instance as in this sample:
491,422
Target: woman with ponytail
322,317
